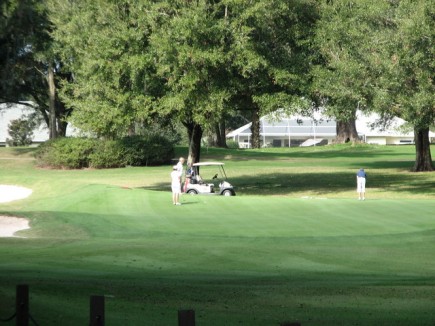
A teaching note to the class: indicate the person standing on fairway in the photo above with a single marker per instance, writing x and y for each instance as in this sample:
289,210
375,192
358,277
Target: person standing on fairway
361,184
180,168
189,175
175,185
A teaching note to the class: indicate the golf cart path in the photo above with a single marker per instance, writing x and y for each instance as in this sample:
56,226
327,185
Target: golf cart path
10,224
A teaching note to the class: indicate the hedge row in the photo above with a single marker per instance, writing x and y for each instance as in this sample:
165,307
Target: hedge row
78,153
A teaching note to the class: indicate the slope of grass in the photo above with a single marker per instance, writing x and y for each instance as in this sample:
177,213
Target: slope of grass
294,244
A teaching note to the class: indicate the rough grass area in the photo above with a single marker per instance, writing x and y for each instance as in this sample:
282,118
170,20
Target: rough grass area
293,245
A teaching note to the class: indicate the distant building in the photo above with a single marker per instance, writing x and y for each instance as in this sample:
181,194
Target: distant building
320,130
395,134
287,132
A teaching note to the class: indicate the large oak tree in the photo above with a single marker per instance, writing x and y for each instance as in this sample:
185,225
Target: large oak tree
28,67
404,58
190,61
343,77
105,44
378,56
216,55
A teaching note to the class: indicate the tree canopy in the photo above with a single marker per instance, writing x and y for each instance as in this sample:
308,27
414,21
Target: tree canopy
119,63
105,44
379,56
405,61
343,77
184,60
28,67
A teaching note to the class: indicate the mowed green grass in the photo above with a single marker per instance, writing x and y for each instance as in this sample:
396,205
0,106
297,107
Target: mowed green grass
293,245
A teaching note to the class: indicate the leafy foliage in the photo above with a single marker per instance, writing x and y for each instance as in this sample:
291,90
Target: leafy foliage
77,153
343,77
21,131
232,144
105,43
66,153
147,150
109,154
379,56
20,42
192,61
196,62
29,68
406,61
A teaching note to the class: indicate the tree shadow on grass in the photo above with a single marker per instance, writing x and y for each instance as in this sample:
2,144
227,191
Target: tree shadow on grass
19,151
321,183
326,183
404,166
324,152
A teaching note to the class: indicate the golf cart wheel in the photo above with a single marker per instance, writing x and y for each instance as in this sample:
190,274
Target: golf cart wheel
192,192
227,193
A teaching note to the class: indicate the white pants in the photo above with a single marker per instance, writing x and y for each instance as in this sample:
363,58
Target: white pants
361,184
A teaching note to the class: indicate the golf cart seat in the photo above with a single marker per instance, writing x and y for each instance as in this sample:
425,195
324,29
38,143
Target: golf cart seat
196,180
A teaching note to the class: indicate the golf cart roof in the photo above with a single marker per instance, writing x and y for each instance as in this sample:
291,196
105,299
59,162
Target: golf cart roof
207,163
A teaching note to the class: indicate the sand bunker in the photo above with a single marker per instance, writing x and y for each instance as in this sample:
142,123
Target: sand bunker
10,193
9,224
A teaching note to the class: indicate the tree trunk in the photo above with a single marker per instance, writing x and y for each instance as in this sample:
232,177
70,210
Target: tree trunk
194,132
255,129
52,103
217,135
346,132
220,134
223,143
423,158
62,124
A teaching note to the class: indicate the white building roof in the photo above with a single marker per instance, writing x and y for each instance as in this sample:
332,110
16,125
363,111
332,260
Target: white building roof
295,125
323,126
366,125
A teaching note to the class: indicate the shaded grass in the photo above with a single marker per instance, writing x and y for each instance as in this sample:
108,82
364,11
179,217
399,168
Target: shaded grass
260,258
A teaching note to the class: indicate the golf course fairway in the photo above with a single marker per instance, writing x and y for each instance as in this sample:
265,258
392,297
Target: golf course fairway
293,254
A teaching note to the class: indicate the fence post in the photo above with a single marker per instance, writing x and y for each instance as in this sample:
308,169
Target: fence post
97,311
186,318
22,305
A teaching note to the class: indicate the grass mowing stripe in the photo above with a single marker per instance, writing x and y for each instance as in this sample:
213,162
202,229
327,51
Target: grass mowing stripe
125,212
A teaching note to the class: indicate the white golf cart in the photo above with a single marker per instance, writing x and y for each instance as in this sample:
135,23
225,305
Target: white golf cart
197,185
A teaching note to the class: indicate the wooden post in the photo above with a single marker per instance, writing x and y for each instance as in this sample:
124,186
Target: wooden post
186,318
22,305
97,311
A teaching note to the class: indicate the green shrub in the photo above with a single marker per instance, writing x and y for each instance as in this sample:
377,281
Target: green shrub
21,131
147,150
232,144
108,154
66,153
77,153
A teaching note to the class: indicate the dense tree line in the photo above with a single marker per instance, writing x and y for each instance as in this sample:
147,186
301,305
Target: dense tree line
113,66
